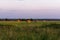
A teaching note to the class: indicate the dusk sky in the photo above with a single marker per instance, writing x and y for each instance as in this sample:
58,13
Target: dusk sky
30,9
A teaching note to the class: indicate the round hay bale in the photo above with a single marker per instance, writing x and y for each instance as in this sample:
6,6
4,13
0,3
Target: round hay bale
29,21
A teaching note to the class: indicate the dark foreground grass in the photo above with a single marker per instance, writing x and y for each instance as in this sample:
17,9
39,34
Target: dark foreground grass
29,31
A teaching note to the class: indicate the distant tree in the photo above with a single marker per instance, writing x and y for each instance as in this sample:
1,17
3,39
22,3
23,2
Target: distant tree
6,19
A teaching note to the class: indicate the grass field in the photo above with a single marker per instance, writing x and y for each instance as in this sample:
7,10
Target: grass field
13,30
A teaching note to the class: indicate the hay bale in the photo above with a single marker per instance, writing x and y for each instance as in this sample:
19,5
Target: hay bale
19,20
29,21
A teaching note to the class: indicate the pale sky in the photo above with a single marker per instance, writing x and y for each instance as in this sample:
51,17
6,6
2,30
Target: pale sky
30,9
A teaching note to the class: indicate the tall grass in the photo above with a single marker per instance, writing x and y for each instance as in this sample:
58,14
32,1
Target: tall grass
29,31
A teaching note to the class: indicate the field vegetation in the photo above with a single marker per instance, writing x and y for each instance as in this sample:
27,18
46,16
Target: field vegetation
42,30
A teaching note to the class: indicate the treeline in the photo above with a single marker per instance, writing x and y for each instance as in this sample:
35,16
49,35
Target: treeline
17,19
30,19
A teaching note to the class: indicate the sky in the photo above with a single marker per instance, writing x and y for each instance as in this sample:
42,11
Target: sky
30,9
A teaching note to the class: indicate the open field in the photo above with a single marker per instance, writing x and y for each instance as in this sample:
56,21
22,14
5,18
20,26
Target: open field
45,30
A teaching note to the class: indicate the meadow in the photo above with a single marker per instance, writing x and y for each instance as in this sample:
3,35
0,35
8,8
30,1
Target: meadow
41,30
